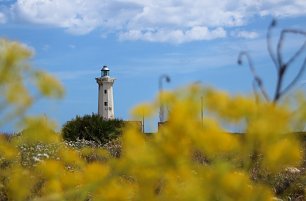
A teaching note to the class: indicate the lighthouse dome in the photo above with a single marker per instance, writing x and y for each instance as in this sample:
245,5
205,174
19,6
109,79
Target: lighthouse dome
105,71
105,68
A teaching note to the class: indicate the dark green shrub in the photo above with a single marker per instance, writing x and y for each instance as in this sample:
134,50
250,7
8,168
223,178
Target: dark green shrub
92,128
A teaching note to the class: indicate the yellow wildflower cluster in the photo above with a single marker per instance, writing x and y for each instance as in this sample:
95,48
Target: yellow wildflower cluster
16,75
188,159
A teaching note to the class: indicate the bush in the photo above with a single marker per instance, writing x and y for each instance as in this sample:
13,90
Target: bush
92,128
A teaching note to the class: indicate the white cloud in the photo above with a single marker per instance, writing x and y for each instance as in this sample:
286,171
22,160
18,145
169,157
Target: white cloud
174,36
283,8
246,34
2,18
154,20
74,17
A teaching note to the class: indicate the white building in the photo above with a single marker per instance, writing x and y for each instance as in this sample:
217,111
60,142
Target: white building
106,99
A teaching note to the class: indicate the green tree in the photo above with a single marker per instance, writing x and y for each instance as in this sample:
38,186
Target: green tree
92,127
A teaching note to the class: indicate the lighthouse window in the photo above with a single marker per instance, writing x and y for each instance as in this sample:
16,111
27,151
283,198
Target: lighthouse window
105,91
105,104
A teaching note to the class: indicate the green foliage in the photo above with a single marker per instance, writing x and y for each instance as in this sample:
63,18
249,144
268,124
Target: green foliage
92,127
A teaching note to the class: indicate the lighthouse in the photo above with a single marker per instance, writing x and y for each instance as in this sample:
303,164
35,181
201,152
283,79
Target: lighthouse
105,94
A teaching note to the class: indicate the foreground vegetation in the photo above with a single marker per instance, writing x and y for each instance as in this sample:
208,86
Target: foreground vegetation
188,159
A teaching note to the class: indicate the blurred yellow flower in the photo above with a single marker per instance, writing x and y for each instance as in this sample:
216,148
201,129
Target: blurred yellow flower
48,85
38,130
143,110
20,184
282,154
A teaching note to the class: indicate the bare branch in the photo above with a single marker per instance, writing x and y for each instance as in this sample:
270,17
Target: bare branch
254,84
297,77
257,79
280,46
279,50
269,43
280,77
278,60
293,31
284,66
302,48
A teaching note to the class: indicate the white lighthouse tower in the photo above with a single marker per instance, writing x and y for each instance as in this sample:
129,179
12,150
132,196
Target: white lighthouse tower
106,99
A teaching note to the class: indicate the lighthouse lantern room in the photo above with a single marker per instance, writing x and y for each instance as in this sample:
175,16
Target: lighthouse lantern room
105,94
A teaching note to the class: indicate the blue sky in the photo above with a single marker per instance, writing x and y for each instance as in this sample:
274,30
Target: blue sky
140,40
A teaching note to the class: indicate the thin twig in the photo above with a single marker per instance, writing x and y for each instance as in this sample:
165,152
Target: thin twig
257,79
277,58
279,50
297,77
302,48
269,43
284,66
254,84
280,76
295,31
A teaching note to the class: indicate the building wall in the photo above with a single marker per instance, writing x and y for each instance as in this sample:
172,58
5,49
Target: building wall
106,100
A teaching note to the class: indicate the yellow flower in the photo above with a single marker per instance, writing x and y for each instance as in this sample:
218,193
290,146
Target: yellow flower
282,154
7,150
53,187
143,110
95,173
50,169
38,130
48,85
20,184
17,94
70,158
